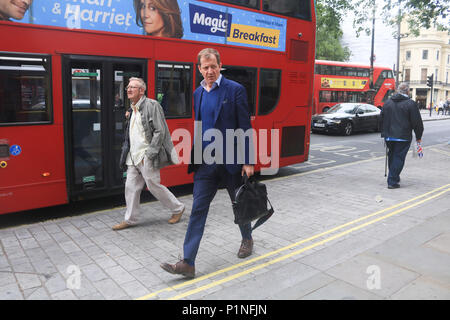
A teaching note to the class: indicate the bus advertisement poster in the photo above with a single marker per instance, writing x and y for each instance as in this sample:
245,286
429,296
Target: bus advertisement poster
190,20
339,83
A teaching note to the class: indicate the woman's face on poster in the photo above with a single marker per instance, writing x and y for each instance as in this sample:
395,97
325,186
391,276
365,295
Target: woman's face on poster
151,19
15,9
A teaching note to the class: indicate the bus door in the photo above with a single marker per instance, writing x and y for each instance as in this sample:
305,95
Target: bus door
95,103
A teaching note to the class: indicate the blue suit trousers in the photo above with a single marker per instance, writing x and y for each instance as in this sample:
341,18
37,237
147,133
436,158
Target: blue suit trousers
207,179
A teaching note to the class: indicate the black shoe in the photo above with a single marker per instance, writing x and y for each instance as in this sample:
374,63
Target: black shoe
181,267
394,186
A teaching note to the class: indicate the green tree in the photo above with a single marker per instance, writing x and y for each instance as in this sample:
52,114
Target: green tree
418,13
329,34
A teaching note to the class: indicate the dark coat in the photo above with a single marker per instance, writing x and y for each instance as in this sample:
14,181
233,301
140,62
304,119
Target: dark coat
399,116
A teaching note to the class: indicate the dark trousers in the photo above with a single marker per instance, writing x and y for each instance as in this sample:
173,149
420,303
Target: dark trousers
206,183
397,151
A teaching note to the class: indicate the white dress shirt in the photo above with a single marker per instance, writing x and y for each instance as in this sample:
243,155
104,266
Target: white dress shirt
138,142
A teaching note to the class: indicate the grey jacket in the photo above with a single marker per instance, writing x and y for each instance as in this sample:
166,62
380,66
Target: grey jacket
161,151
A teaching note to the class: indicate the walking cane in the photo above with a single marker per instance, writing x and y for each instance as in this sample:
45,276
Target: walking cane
386,159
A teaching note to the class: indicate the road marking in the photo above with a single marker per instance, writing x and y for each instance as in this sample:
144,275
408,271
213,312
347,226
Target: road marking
431,193
440,151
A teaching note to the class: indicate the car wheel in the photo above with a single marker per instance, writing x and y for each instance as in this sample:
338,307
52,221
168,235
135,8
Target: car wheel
348,129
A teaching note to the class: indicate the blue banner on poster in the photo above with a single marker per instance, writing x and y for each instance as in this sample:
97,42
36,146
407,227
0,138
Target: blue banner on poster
186,19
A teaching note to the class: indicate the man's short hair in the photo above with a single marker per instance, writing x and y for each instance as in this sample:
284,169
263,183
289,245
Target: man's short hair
141,82
208,52
403,88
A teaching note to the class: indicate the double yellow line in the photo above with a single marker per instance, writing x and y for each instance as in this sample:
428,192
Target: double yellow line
412,203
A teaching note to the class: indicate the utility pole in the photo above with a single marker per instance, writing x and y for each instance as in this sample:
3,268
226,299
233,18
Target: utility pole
430,84
372,55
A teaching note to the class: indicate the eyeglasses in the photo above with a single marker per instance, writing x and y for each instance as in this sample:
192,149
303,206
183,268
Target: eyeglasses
131,87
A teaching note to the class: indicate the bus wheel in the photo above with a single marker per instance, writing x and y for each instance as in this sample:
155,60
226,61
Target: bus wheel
348,129
325,109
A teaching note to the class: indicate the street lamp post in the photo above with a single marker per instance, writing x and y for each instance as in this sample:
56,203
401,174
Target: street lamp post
371,90
372,47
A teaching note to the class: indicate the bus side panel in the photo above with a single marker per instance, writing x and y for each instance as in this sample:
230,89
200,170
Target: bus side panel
34,177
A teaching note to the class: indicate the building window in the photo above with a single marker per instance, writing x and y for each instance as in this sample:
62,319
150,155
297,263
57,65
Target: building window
423,75
436,74
424,54
437,55
407,74
408,55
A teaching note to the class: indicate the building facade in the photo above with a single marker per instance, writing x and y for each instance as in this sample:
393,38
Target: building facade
423,56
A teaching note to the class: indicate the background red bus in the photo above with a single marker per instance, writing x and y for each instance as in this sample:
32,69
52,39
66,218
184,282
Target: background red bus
63,97
336,82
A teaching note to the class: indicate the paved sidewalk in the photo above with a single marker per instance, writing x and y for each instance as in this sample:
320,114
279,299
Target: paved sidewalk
323,242
425,113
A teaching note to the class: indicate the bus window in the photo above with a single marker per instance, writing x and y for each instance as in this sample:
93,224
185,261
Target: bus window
387,95
269,90
245,3
242,75
326,96
173,89
294,8
24,89
385,74
247,78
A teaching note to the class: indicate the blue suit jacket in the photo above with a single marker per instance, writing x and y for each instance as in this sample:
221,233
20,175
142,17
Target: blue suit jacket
231,113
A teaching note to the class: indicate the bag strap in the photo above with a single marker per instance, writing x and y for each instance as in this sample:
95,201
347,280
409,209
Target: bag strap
261,220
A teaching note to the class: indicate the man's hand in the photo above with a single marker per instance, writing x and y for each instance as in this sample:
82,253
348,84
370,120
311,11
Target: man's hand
419,140
248,169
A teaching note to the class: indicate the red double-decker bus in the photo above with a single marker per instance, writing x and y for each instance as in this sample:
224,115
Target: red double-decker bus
64,67
337,82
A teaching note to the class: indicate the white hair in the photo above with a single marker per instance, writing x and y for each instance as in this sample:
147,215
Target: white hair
403,88
141,82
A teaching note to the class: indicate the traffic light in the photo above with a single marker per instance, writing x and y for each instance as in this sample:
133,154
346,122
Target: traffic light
430,81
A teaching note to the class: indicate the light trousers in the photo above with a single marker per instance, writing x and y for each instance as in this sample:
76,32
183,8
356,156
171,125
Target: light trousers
144,174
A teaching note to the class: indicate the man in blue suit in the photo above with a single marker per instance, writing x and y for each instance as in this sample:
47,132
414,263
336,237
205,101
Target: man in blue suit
220,106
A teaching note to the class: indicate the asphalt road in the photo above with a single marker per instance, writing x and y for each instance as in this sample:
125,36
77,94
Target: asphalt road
331,150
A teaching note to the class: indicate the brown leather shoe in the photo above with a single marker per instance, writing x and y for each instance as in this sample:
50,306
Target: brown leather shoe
121,226
246,248
176,217
181,267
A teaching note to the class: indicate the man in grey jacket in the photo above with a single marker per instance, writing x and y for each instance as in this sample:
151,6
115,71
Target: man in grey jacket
146,149
399,117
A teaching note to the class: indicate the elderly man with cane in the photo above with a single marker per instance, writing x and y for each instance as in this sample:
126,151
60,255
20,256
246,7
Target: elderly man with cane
399,116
